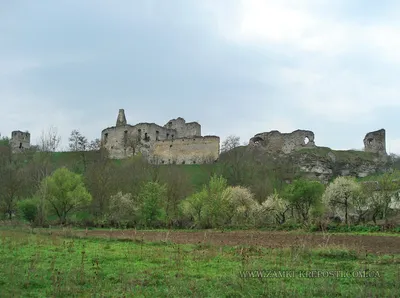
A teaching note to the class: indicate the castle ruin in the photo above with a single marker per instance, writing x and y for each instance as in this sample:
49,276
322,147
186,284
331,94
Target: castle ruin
285,143
20,141
375,142
177,142
277,142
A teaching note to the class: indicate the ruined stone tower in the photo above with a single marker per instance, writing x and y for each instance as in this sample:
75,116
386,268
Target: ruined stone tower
121,120
20,140
375,142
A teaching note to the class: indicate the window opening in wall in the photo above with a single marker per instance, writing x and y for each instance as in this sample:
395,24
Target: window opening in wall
105,138
172,136
306,140
125,138
162,161
193,162
146,137
139,135
170,146
369,141
167,135
157,134
183,162
20,145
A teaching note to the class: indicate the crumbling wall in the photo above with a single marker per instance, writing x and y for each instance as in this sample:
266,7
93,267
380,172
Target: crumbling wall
375,141
183,129
276,142
20,140
121,119
127,140
196,150
177,141
116,140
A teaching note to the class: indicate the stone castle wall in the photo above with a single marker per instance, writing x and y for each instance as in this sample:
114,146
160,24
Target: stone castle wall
196,150
175,142
375,141
183,129
277,142
20,140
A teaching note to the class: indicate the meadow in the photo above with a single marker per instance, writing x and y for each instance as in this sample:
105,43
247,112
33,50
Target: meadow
41,263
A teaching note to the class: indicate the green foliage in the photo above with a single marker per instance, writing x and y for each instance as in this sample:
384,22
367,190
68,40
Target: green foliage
4,141
28,209
53,266
304,195
208,207
65,191
151,200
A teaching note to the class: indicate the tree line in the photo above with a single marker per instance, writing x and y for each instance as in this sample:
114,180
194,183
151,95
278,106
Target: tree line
240,191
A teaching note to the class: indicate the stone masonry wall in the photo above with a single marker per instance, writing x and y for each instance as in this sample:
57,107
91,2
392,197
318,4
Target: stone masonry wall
184,129
195,150
375,142
124,141
276,142
177,141
20,140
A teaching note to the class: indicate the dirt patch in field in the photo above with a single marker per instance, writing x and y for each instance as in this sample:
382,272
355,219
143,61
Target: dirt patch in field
361,243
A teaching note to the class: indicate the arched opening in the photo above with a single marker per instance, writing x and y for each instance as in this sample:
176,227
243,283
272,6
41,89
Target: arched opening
257,140
306,140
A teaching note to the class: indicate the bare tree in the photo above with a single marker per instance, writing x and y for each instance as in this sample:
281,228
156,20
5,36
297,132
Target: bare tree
49,140
94,145
230,143
11,183
77,141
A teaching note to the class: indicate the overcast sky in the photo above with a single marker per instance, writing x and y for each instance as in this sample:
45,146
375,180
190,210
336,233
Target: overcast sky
236,67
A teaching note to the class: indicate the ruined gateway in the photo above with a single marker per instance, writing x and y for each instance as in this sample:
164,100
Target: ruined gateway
177,142
323,163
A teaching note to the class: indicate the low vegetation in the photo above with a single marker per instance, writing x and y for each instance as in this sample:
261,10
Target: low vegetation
41,189
55,266
44,188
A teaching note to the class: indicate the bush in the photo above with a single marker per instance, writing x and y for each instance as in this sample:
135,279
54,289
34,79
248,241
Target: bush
28,209
242,208
209,208
151,199
122,210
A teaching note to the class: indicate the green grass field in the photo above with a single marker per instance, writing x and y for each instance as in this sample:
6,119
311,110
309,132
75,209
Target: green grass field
39,265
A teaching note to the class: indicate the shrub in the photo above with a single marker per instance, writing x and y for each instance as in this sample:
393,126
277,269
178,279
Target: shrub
28,209
151,200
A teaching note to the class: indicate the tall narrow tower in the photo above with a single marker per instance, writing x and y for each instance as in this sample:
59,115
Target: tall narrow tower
121,120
